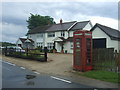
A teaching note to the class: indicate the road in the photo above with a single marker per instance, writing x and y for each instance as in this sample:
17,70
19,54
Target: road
14,76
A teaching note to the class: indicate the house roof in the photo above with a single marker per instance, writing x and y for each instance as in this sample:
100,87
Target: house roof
74,25
69,39
80,25
39,29
61,27
112,33
24,39
63,39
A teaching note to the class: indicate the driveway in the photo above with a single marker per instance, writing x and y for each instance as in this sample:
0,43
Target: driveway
59,64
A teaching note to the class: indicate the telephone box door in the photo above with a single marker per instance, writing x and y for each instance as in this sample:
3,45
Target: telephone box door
77,52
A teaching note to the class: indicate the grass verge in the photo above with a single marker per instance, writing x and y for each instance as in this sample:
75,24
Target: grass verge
103,75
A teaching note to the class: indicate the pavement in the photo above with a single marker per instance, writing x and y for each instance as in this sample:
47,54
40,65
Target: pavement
59,65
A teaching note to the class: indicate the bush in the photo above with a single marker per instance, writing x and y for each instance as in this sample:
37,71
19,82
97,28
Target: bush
34,51
40,48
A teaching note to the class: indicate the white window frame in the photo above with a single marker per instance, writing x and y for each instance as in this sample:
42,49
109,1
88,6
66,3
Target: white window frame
50,45
39,44
62,33
71,45
51,34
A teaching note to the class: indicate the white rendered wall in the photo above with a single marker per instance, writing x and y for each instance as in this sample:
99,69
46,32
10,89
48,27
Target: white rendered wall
87,27
19,42
57,34
71,33
67,46
58,47
36,39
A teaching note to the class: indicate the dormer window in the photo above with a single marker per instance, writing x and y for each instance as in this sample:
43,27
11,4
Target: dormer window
62,33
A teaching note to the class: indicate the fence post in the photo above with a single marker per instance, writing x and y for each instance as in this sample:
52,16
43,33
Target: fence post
118,61
27,52
45,52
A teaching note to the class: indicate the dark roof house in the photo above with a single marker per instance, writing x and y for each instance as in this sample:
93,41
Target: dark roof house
80,25
74,25
61,26
112,33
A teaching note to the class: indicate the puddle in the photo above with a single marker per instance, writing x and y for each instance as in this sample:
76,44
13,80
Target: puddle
33,70
30,83
30,76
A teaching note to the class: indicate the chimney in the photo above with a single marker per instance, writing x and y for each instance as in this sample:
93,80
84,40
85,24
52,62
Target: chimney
60,21
48,22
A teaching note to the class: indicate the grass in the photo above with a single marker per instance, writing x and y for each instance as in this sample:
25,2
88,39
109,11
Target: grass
103,75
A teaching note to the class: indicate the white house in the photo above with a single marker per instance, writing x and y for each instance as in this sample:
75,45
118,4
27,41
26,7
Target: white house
25,43
105,37
58,36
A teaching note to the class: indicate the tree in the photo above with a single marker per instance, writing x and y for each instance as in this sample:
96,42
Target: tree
38,20
4,44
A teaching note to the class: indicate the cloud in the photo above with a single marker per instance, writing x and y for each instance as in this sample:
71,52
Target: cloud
11,32
15,14
60,1
113,23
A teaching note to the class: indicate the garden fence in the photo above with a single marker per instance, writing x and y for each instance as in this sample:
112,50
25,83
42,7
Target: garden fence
106,59
34,54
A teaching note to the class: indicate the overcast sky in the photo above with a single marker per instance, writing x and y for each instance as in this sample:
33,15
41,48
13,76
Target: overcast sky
15,14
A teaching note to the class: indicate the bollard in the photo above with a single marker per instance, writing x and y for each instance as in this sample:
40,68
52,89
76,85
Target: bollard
45,54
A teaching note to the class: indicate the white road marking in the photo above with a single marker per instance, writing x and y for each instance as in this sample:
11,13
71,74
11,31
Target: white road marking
22,67
37,72
61,79
9,63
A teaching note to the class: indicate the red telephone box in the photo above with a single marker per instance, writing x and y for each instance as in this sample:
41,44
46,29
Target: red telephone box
82,50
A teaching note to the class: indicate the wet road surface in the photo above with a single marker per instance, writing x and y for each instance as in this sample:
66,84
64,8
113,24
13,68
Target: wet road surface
14,76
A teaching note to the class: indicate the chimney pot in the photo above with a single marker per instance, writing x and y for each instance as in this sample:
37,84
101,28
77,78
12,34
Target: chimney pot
60,21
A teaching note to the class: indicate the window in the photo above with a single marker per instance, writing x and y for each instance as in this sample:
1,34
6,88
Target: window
30,36
71,45
50,45
51,34
40,44
62,33
40,35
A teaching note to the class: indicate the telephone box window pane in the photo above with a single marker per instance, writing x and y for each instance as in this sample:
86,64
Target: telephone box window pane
78,52
88,46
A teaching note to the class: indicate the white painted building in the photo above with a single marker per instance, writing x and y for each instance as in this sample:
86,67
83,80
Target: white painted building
58,36
25,43
105,37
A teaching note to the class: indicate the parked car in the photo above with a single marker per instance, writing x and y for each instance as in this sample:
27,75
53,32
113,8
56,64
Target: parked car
16,48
